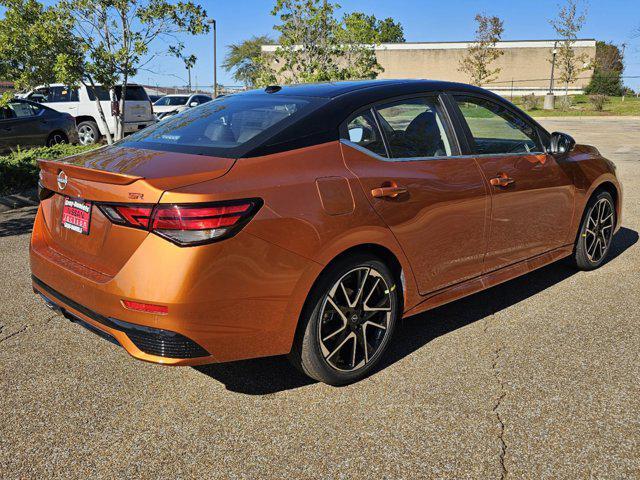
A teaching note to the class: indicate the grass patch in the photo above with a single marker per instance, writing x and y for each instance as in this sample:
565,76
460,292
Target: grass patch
583,107
19,170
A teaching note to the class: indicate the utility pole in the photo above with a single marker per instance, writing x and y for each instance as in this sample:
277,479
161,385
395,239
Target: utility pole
549,99
211,21
624,47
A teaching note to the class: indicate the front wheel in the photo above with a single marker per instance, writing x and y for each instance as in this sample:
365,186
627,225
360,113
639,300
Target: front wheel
596,232
349,320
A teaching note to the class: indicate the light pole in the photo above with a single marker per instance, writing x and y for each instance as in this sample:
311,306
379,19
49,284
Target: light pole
211,21
549,99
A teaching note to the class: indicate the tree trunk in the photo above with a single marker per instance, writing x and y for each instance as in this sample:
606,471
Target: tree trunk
102,118
123,97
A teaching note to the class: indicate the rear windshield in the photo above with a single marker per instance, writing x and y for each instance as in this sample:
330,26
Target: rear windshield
134,93
171,101
226,126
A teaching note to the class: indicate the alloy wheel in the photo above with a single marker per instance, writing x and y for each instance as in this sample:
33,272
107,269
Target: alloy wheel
599,230
86,135
354,319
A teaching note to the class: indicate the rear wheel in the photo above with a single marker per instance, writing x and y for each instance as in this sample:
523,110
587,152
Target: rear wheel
596,232
350,318
88,132
56,138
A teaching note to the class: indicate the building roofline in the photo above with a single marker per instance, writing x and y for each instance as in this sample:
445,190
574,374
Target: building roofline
581,42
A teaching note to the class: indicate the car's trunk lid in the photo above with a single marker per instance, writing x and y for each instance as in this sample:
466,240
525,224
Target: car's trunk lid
114,175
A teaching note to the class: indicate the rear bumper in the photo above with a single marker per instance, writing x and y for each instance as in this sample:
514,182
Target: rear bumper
226,301
153,344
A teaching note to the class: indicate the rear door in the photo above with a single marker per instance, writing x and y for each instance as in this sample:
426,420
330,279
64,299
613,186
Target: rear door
531,193
433,200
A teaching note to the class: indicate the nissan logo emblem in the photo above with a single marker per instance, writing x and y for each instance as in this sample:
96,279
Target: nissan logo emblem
62,180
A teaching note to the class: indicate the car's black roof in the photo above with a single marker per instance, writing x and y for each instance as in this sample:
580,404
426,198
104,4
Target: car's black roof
342,99
333,90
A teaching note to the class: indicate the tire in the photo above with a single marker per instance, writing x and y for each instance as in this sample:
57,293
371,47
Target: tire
56,138
88,132
338,314
596,232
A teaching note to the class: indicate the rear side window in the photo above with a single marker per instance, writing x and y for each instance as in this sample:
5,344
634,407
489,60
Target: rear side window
103,93
495,129
363,131
414,129
21,110
224,124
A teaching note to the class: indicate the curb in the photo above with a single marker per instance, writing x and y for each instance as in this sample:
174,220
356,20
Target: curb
28,198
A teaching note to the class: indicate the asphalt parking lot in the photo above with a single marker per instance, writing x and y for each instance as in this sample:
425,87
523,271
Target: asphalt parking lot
536,378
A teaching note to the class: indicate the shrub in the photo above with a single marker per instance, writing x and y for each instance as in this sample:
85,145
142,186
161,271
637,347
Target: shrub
19,170
605,83
564,103
598,101
530,102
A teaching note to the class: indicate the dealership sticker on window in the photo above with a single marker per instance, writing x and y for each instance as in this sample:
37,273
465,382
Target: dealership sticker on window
76,215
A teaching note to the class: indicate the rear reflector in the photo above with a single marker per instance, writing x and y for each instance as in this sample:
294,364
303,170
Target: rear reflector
146,307
186,225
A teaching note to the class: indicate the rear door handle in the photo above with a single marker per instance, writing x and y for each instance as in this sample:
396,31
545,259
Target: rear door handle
502,180
392,191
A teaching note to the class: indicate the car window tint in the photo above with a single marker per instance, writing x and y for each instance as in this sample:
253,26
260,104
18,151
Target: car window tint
171,101
134,93
21,110
362,130
103,93
495,129
414,129
226,123
6,113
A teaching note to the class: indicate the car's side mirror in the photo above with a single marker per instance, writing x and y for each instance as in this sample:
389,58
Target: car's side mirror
194,104
561,143
356,134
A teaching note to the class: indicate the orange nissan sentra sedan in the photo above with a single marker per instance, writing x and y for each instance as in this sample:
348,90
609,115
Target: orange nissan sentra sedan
307,220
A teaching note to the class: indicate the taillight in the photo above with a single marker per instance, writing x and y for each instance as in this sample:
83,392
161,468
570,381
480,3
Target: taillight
129,215
145,307
186,225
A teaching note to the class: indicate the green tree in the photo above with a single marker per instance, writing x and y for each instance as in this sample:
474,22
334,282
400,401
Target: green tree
568,25
367,29
36,43
245,59
607,74
314,46
483,52
122,36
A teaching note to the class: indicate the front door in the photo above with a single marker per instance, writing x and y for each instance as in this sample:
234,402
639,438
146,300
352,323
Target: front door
531,193
434,201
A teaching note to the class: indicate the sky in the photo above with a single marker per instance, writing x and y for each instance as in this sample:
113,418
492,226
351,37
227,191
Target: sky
423,21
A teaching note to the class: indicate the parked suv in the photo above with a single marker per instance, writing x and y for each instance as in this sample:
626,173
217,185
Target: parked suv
80,103
169,105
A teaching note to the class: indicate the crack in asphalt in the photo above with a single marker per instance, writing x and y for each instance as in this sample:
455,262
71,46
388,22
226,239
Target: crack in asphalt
24,328
496,407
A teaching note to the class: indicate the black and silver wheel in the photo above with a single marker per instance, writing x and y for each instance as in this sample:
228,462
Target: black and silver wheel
88,132
353,312
596,232
57,138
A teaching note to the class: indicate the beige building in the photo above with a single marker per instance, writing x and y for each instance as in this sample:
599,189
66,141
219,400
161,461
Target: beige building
525,65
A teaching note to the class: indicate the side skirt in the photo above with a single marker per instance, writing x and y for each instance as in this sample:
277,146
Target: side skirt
489,280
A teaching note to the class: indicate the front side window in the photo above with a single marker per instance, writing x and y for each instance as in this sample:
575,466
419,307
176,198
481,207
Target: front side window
21,110
362,130
414,129
495,129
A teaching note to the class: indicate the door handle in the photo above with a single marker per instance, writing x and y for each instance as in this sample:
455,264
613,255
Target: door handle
502,180
390,191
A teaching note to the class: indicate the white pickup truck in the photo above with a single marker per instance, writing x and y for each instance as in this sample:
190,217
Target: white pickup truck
80,103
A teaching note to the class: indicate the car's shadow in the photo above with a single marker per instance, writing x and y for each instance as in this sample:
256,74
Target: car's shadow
270,375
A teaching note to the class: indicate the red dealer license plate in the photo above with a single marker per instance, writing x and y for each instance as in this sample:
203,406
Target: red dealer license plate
76,215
